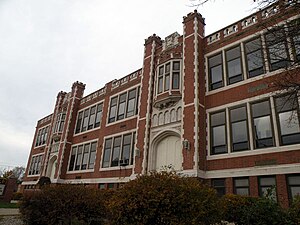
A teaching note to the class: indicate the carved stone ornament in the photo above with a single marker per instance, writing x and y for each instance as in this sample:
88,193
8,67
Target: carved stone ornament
171,41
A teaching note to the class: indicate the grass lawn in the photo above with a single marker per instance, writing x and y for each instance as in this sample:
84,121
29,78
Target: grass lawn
8,205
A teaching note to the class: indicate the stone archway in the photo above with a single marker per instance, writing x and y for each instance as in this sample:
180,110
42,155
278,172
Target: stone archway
166,150
169,153
52,167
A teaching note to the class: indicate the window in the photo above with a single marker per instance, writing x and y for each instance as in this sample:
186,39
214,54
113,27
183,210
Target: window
176,75
60,122
101,186
277,50
241,186
262,127
218,133
288,119
234,65
219,186
168,76
132,103
110,186
124,105
35,165
83,156
267,187
254,58
293,182
239,129
89,118
41,136
118,151
215,72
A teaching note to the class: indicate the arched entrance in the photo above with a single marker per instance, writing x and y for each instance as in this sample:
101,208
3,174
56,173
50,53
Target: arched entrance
165,151
51,167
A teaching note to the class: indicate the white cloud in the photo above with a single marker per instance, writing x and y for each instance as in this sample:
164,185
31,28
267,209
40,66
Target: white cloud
47,45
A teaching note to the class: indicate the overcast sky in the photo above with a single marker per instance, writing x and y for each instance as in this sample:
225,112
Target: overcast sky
46,45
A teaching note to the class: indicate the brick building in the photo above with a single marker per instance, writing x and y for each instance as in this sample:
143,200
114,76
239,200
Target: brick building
204,104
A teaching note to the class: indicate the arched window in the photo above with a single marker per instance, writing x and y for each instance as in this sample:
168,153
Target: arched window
154,120
160,119
167,117
179,113
173,115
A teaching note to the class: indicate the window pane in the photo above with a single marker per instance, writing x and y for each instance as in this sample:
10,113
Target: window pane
167,68
234,68
85,156
98,115
261,109
219,137
126,149
217,118
122,103
233,53
289,123
79,120
78,159
161,70
267,181
278,56
234,65
216,76
160,84
72,159
241,182
176,65
132,148
252,46
286,103
116,152
85,120
242,191
241,186
92,117
294,185
167,82
255,63
267,187
238,114
175,80
131,103
113,108
295,191
262,127
101,186
106,154
219,186
240,135
215,71
92,155
277,52
215,60
294,180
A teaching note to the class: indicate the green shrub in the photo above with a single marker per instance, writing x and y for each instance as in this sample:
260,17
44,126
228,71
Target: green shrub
164,198
294,211
248,211
64,204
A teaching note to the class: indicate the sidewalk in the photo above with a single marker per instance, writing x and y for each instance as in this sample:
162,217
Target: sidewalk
9,212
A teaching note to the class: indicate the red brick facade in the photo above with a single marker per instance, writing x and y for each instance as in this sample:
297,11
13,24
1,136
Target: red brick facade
110,136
